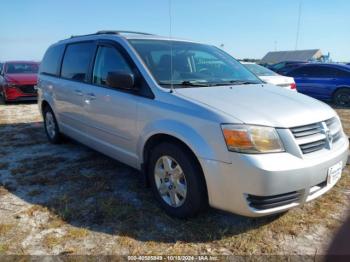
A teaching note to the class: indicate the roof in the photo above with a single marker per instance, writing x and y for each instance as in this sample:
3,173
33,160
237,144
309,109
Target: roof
298,55
123,34
327,64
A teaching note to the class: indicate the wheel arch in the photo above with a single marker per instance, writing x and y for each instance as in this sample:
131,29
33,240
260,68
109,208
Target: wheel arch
159,138
338,88
43,105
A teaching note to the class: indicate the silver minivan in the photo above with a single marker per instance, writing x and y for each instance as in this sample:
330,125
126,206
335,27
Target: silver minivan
202,128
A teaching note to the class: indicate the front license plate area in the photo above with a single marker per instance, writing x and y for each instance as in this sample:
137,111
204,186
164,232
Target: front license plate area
334,173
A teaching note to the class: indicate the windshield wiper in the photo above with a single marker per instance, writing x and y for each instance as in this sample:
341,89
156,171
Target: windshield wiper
186,83
241,82
194,83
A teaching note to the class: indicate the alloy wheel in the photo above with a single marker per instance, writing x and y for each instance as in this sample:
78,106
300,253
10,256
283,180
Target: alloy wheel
343,99
50,125
170,181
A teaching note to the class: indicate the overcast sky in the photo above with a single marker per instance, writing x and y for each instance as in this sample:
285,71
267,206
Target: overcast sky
247,28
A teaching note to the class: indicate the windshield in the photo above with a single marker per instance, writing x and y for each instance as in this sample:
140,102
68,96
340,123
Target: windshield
191,63
22,68
260,70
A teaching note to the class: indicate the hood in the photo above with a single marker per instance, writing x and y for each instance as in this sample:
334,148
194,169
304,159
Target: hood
23,79
277,80
261,104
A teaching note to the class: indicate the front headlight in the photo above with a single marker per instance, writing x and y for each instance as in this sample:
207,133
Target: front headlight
251,139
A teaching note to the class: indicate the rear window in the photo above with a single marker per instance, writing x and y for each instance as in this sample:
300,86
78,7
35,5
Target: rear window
260,70
76,61
51,61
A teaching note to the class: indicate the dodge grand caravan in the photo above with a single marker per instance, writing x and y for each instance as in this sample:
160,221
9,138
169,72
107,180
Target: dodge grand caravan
202,128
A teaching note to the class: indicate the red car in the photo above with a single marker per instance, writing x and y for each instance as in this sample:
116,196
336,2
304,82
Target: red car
18,80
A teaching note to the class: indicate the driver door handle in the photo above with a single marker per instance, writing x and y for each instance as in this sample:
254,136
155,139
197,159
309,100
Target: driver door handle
91,96
78,92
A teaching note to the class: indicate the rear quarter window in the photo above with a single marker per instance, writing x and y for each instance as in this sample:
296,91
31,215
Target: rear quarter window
50,64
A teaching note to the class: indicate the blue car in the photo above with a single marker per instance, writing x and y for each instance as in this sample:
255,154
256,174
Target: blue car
329,82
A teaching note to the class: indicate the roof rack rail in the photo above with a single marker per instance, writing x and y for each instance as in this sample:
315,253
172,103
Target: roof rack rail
118,32
112,32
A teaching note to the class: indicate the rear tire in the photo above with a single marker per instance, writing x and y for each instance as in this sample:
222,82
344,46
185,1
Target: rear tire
51,127
342,97
176,180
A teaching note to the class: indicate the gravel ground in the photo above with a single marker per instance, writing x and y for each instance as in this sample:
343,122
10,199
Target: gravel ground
68,199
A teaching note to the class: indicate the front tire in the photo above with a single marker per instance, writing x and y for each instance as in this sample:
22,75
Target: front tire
51,127
342,97
4,96
177,181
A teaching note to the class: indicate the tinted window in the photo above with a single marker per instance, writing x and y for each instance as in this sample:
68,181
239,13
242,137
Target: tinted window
328,72
108,60
320,72
21,68
51,61
309,71
279,66
76,61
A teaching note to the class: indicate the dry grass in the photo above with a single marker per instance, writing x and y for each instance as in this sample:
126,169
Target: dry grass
76,233
3,248
51,240
5,228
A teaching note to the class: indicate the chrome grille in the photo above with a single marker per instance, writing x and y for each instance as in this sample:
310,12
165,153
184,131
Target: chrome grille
313,146
317,136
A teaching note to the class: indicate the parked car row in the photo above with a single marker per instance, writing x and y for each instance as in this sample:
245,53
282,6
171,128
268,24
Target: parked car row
328,82
18,80
323,81
202,128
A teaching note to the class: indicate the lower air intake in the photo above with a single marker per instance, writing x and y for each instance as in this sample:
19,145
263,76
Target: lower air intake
267,202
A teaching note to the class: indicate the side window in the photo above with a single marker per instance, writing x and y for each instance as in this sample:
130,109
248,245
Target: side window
328,72
297,72
51,61
310,71
77,60
108,60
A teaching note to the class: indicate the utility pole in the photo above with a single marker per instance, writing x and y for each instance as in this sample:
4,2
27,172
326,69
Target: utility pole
298,25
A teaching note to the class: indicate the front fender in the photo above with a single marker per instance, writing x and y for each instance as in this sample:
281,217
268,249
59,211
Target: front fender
179,130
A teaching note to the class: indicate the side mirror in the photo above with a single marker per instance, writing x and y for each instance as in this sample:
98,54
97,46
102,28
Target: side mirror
120,79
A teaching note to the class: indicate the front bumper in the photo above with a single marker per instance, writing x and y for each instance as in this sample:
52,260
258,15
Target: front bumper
230,186
15,94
